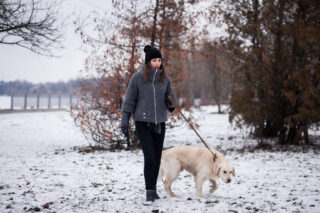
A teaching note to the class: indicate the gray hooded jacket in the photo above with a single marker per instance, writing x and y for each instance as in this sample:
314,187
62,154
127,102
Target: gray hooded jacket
146,100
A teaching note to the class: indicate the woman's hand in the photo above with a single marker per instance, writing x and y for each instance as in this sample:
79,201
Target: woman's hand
125,131
169,105
125,123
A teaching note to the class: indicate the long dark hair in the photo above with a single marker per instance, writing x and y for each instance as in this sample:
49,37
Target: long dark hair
147,69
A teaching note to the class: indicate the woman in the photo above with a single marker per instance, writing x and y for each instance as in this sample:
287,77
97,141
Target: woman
147,100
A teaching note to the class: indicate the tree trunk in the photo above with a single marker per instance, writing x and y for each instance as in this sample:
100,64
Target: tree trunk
258,131
162,25
154,27
270,129
282,135
294,136
306,135
219,107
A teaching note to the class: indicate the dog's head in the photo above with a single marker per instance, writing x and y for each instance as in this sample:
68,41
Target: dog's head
225,171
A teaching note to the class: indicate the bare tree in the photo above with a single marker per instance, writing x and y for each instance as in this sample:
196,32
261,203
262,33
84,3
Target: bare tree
116,53
30,24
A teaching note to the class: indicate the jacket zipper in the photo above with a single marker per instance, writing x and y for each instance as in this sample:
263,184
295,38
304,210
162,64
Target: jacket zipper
154,92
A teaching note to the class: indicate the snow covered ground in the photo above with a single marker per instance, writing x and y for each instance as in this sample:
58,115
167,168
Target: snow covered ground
41,171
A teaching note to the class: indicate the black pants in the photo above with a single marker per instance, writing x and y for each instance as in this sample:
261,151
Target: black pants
151,143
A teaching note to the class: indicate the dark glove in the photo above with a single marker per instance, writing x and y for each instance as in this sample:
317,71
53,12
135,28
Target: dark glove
125,131
169,105
125,123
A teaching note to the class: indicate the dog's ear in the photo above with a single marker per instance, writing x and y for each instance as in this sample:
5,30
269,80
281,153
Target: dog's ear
233,172
218,171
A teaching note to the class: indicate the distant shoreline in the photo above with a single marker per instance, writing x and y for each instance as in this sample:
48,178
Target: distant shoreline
8,111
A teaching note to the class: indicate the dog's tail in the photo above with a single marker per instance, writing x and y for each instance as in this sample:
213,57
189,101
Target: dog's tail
163,163
160,175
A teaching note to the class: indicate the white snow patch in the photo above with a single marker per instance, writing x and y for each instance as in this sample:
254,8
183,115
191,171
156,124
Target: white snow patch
38,165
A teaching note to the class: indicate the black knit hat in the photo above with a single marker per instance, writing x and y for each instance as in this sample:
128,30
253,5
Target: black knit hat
151,52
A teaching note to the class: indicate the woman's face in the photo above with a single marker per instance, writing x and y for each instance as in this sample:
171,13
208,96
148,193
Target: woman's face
155,63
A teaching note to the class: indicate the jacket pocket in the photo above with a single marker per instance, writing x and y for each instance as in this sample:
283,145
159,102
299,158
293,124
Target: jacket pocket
143,114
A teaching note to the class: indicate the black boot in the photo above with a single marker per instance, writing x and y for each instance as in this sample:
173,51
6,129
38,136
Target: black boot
156,196
149,197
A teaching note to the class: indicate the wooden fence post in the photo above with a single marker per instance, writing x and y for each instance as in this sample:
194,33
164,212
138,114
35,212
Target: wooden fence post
25,101
38,100
49,101
11,107
59,100
70,100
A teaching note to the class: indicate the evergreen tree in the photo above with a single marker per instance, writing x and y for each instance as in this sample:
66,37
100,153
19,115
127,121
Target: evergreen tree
274,49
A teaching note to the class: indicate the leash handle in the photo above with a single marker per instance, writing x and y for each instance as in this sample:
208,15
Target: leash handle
206,145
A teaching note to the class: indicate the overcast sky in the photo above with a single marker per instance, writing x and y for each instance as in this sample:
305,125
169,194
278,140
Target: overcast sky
17,63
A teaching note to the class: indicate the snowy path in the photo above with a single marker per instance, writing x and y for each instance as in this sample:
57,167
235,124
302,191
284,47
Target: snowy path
39,170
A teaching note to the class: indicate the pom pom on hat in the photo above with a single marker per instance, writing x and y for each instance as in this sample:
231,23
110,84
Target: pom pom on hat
151,52
147,48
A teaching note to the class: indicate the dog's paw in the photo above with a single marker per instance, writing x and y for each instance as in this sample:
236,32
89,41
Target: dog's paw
213,189
201,199
172,195
214,186
200,195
